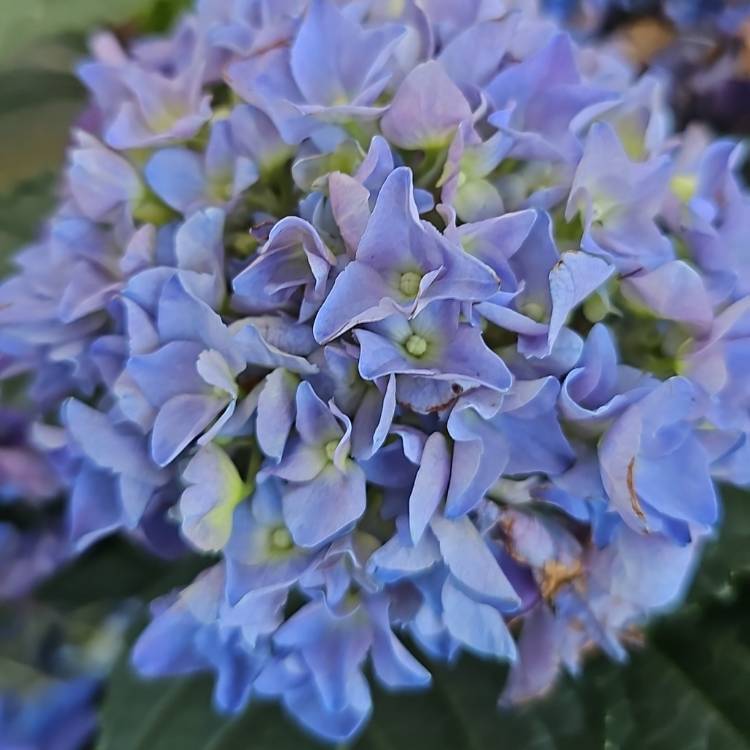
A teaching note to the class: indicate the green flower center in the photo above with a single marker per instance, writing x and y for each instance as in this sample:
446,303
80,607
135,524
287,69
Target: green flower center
220,187
281,539
151,210
415,345
684,186
409,283
533,310
331,446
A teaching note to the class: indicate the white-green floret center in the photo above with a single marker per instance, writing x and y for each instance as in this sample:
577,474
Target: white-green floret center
416,345
281,539
331,446
409,283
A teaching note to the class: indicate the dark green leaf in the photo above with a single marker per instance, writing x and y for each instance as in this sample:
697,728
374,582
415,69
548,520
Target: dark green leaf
177,715
163,14
115,570
22,211
31,87
727,560
35,127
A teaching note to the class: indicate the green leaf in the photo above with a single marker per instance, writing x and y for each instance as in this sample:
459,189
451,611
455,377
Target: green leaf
37,110
115,570
163,14
22,210
726,561
32,87
709,652
176,714
26,21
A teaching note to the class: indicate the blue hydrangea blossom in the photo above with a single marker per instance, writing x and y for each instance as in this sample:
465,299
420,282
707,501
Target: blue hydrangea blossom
417,318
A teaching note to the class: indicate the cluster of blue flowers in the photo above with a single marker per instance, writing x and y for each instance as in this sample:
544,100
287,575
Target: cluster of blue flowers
417,319
683,13
701,47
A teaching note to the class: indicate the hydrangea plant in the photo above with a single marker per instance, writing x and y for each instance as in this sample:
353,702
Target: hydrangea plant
418,320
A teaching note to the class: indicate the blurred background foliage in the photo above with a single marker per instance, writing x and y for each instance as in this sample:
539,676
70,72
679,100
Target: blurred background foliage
40,97
686,689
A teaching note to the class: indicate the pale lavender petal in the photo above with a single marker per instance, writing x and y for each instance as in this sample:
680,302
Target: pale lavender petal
480,627
425,110
323,507
315,422
179,422
674,291
572,279
176,176
430,484
470,561
276,412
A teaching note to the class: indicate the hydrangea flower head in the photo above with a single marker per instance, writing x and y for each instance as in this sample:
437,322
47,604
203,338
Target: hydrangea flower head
416,319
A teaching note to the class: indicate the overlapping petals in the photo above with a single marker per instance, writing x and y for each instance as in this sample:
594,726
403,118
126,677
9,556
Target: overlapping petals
417,318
